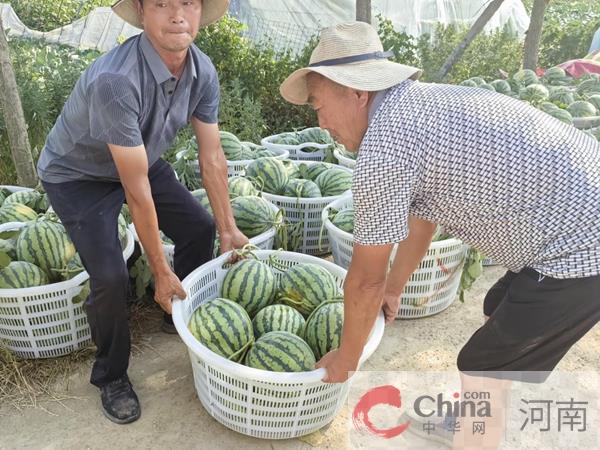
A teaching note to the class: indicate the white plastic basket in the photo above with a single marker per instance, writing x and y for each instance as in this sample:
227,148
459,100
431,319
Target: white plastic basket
267,405
297,152
238,168
43,321
433,285
263,241
309,211
343,160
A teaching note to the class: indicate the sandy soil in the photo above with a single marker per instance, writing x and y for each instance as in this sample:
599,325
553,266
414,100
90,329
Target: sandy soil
172,416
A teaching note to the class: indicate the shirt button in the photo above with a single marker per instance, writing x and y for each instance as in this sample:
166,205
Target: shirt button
172,78
170,92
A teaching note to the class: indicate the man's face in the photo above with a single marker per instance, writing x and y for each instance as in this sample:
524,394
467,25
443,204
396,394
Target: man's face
171,24
342,111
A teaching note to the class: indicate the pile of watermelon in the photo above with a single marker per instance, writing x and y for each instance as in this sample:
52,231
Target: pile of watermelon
233,148
313,135
283,325
40,252
298,180
555,93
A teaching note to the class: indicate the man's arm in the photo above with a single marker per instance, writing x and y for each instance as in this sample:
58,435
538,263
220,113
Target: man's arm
364,288
213,167
132,165
409,254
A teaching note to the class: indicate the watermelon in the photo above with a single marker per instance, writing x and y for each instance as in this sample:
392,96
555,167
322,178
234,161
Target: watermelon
590,86
501,86
582,108
253,215
251,284
291,168
268,173
232,147
562,115
525,77
334,182
561,96
224,327
7,247
547,107
323,330
468,83
302,188
555,76
595,100
278,318
316,135
534,93
263,153
27,198
305,286
239,186
312,171
487,87
45,244
83,294
280,351
42,204
344,220
290,138
73,267
16,212
246,155
22,274
202,197
477,80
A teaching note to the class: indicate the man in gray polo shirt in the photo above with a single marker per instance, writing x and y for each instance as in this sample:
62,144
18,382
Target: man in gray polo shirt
105,149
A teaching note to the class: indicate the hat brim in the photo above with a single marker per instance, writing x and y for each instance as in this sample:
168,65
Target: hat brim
364,76
212,10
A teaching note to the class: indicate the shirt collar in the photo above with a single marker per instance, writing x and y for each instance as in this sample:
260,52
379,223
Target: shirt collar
158,67
377,100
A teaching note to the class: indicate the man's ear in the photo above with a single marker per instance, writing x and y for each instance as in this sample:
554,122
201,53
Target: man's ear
362,97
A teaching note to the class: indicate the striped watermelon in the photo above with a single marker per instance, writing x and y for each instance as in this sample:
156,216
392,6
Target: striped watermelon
73,267
247,153
301,188
21,274
278,318
3,194
202,197
7,247
42,204
305,286
323,330
312,171
232,147
83,294
344,220
240,186
262,152
45,244
253,215
269,173
334,182
289,138
251,284
316,135
16,212
291,168
280,351
27,198
224,327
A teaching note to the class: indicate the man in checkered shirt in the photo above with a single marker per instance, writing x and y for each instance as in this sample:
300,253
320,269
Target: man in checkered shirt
506,178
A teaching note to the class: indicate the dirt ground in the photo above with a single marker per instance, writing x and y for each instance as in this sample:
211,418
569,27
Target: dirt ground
173,418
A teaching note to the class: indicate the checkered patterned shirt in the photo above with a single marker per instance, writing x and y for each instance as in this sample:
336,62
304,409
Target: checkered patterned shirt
506,178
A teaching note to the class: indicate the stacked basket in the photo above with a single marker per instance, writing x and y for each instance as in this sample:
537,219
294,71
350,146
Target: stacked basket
433,285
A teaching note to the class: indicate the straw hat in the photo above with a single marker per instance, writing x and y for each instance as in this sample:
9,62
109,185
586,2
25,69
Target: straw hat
352,55
212,10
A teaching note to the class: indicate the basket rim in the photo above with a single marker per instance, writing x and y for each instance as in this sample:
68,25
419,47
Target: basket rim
61,285
266,142
338,154
336,231
219,362
282,154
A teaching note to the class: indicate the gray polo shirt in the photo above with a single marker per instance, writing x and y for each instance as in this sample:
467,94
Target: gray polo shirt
127,97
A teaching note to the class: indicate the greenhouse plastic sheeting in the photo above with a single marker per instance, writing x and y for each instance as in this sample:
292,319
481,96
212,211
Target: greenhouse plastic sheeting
100,30
285,23
290,23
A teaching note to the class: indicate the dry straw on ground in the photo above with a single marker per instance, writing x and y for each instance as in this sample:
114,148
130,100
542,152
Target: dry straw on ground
31,382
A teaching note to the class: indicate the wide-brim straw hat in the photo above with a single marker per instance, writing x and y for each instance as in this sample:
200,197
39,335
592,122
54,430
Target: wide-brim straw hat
212,10
352,55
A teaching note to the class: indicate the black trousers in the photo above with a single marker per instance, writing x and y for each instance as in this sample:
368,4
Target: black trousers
89,210
534,320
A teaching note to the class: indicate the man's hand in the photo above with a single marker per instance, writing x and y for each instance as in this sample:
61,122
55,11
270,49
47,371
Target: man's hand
166,286
230,240
391,305
337,366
